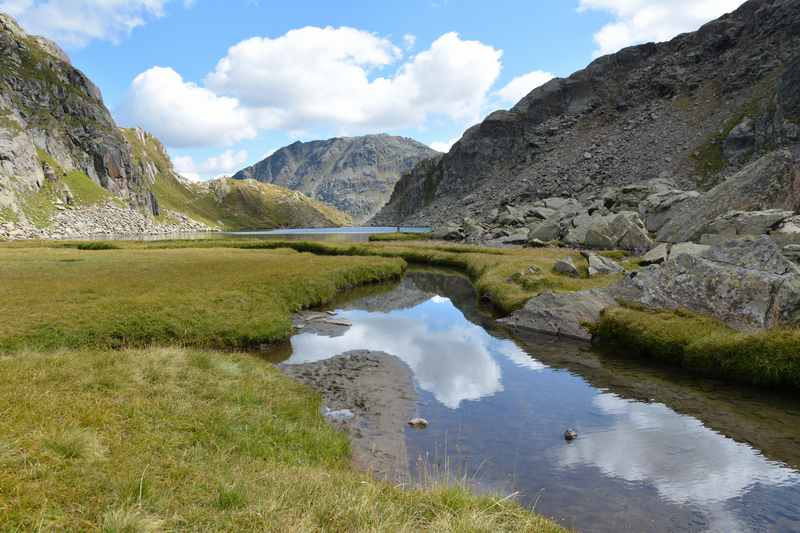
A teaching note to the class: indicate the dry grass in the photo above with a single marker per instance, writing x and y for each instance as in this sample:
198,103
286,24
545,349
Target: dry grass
197,441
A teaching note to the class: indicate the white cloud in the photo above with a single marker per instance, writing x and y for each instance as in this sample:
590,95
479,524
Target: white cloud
314,78
75,23
444,146
639,21
409,40
183,114
520,86
225,164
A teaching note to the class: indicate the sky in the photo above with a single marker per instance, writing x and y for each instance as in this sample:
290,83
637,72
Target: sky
224,84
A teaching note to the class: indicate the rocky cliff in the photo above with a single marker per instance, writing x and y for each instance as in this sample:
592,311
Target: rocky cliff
67,170
695,110
354,174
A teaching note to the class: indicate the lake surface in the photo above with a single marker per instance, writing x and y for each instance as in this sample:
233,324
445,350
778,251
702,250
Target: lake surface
344,234
657,450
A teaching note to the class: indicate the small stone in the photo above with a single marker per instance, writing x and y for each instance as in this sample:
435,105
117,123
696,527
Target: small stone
418,423
570,435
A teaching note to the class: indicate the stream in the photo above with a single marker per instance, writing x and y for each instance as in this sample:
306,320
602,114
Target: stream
657,450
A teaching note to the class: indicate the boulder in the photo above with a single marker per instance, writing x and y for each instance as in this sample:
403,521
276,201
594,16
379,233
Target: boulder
449,232
511,216
567,267
561,314
541,213
519,237
657,208
599,265
656,256
688,248
623,231
746,283
546,231
741,223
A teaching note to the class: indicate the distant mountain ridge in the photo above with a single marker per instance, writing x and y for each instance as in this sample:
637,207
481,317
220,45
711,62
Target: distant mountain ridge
354,174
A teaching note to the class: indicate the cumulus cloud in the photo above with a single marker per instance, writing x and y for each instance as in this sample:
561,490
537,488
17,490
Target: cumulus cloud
341,78
520,86
444,146
224,164
75,23
639,21
183,114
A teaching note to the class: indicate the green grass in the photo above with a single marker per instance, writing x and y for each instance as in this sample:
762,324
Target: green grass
385,237
97,246
150,440
84,190
8,215
222,298
704,345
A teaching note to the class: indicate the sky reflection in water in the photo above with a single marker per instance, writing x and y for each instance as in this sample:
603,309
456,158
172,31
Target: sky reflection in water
676,473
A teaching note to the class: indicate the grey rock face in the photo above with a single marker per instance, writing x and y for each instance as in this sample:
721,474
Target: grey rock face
561,314
746,283
354,174
741,223
637,114
771,182
657,209
623,231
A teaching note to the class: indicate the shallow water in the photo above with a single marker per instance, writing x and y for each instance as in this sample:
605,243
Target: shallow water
657,450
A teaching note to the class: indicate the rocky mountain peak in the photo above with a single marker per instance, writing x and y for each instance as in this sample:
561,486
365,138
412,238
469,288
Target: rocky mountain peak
353,174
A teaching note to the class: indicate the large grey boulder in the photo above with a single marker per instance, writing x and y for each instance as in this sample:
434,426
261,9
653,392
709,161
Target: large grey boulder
657,208
770,182
741,223
600,266
561,314
745,283
567,267
656,256
624,231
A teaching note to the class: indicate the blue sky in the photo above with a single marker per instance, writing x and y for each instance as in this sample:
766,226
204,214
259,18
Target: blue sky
225,83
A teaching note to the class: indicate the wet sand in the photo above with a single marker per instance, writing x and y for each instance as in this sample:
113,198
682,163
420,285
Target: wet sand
379,390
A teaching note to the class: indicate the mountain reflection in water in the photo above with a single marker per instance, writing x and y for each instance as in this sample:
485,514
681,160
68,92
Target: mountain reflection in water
498,409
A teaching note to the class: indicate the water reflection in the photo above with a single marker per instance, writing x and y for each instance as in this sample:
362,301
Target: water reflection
637,465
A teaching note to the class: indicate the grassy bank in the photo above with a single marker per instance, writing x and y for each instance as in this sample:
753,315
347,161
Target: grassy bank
212,297
176,439
117,418
704,345
387,237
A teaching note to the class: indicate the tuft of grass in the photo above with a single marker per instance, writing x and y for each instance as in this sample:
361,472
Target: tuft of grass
130,521
386,237
704,345
76,444
99,245
204,449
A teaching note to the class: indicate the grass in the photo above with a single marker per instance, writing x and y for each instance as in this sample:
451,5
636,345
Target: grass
213,297
506,278
97,246
177,439
386,237
704,345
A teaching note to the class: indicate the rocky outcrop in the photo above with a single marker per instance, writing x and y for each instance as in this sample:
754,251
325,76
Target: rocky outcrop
354,174
772,182
746,283
695,110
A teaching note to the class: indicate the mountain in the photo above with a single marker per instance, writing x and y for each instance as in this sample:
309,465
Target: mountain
354,174
695,111
67,170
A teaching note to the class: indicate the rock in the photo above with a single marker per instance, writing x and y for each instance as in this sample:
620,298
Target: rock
656,256
570,435
541,213
339,415
561,314
688,248
418,423
746,283
768,183
473,232
741,223
792,252
546,231
657,208
519,237
624,231
599,265
536,243
449,232
558,204
511,216
567,267
741,141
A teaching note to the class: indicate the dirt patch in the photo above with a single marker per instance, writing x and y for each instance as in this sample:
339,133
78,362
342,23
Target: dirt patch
371,396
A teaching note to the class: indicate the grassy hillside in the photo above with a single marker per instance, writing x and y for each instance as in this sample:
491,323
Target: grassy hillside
227,203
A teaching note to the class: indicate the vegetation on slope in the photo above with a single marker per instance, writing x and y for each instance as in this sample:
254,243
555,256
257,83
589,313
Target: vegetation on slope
704,345
227,203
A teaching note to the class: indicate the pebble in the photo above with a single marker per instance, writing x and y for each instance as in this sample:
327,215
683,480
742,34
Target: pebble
570,435
418,423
